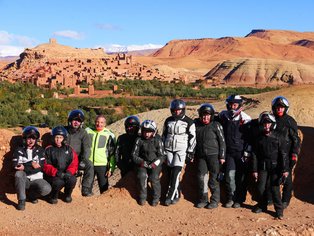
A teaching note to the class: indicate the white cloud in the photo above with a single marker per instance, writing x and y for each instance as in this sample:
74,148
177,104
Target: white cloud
69,34
112,48
13,44
7,50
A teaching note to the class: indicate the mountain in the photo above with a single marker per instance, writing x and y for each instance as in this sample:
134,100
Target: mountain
239,60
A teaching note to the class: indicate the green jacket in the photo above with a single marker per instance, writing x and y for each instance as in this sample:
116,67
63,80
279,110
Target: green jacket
103,148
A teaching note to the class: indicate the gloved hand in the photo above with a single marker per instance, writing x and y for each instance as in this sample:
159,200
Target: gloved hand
67,176
255,176
82,165
189,157
145,164
154,164
60,174
293,160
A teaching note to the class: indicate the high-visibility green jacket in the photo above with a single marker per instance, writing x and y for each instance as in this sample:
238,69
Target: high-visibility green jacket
103,148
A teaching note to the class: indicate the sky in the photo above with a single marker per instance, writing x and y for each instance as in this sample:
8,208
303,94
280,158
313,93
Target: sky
141,24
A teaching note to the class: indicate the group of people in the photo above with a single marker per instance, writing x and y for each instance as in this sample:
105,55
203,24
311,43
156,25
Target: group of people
73,151
227,146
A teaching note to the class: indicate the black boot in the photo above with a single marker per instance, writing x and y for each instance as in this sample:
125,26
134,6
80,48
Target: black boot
86,192
53,199
68,193
203,201
21,205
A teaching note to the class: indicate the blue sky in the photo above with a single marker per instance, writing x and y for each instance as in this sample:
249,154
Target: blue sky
139,24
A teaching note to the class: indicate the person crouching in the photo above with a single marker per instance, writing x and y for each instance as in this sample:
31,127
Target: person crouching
148,154
61,165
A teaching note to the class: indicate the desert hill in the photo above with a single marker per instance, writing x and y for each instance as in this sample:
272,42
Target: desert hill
117,213
249,71
257,49
281,36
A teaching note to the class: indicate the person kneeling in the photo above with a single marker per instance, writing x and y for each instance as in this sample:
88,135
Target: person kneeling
61,165
28,162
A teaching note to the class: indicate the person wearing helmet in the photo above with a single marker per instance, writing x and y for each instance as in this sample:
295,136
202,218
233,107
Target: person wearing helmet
179,140
210,153
287,125
125,144
80,141
61,165
270,163
232,121
148,155
28,161
102,152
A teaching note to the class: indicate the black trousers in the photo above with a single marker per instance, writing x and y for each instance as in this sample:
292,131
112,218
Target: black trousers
144,175
287,188
100,172
88,176
273,176
174,189
208,165
58,183
237,177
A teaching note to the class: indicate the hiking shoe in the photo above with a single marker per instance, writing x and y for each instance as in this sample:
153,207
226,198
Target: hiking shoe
257,209
201,204
155,202
87,193
211,205
53,200
141,202
68,199
236,205
229,204
21,205
167,202
279,216
285,205
174,201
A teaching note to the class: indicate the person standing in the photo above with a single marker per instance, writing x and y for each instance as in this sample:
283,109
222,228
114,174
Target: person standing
270,163
148,155
80,141
61,165
289,128
102,152
232,120
210,154
125,144
179,141
28,162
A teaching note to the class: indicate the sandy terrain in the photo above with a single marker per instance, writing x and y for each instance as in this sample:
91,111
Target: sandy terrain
117,213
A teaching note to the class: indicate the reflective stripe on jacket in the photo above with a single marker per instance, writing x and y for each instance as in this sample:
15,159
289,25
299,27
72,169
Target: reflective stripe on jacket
103,148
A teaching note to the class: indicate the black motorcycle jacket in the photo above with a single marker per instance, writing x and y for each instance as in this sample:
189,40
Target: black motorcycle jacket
148,150
209,139
270,152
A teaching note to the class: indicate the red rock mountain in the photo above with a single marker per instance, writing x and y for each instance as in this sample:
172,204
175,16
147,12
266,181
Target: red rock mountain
261,57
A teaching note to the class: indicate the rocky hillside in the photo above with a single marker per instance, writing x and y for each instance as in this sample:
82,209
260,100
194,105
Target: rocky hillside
257,58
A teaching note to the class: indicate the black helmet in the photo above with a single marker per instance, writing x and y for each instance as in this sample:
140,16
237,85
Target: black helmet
76,115
59,130
30,131
267,117
132,124
233,99
149,125
206,108
177,104
280,101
